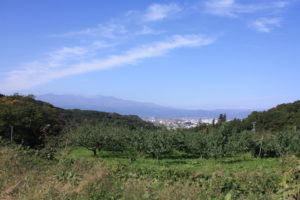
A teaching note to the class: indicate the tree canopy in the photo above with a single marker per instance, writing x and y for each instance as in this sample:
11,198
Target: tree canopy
30,122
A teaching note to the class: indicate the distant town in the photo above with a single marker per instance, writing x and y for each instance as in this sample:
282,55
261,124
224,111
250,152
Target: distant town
180,123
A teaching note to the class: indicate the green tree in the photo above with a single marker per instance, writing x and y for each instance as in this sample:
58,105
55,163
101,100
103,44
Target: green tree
222,118
99,137
31,120
196,143
88,137
158,143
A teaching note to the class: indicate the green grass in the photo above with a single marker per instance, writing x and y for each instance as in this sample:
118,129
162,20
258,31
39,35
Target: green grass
75,174
187,165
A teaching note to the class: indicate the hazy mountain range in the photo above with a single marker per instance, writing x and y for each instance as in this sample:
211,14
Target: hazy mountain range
127,107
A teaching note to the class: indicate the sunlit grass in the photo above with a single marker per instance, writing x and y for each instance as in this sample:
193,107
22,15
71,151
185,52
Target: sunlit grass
235,164
76,174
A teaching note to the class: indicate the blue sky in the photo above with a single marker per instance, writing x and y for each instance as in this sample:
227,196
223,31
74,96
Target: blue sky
188,54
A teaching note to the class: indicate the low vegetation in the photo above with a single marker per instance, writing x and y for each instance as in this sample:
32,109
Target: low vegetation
77,174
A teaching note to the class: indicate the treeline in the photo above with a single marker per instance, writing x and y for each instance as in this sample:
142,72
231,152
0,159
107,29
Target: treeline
217,143
30,122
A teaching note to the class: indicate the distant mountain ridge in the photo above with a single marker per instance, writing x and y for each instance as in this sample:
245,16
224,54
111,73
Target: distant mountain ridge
127,107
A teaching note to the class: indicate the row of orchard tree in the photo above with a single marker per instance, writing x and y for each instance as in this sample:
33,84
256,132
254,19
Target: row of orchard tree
215,143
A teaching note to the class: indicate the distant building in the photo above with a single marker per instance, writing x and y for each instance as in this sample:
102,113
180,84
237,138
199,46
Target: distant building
179,123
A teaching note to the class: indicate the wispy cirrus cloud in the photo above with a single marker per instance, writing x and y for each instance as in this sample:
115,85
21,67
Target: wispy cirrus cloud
110,30
231,8
156,12
121,32
265,24
119,27
66,55
58,56
40,72
269,12
221,7
133,29
146,30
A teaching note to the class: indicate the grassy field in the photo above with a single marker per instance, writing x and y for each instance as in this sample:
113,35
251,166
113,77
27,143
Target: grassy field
76,174
235,164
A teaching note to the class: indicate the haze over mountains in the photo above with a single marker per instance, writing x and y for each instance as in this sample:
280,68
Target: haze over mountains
127,107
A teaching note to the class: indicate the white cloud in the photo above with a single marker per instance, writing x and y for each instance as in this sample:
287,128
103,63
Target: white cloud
230,8
158,12
220,7
66,55
56,57
119,26
265,24
102,45
38,72
102,30
126,26
146,30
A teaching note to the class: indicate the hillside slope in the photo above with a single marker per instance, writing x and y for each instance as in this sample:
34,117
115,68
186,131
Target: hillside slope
281,117
30,121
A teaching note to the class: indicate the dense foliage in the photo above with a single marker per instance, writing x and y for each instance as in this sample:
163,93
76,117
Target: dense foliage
27,121
75,117
282,117
217,143
30,122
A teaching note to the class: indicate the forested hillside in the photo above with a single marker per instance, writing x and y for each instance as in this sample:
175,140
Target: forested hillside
282,117
30,122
